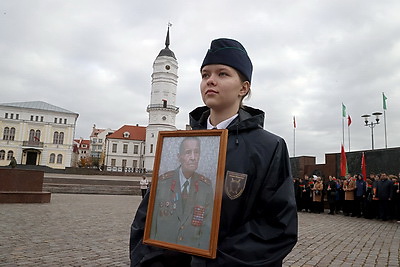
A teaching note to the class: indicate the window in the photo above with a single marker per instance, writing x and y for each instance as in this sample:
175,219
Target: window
100,140
52,158
37,136
10,154
134,164
41,118
6,115
112,162
58,138
17,116
31,117
60,120
135,149
114,148
59,159
125,148
36,118
31,135
94,140
12,134
65,121
12,116
55,138
55,120
6,133
124,163
151,148
2,154
61,138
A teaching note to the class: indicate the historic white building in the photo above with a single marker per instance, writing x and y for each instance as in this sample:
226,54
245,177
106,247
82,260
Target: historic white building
162,108
98,143
125,149
36,133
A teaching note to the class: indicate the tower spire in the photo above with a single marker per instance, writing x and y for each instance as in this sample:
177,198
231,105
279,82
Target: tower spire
167,38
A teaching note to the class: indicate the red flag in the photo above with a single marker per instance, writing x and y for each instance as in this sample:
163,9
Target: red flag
348,120
363,167
294,122
343,163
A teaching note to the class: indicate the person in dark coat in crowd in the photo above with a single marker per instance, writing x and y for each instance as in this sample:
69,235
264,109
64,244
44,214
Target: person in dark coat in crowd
297,192
258,227
305,194
384,191
359,196
331,191
339,196
396,199
369,194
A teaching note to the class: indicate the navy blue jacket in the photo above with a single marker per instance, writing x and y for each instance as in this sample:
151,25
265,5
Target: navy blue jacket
259,227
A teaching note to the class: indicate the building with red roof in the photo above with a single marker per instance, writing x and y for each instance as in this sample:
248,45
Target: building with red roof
124,149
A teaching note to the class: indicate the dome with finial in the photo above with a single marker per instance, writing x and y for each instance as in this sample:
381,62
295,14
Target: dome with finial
166,51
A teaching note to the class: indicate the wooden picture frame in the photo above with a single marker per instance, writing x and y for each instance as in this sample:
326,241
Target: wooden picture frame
187,222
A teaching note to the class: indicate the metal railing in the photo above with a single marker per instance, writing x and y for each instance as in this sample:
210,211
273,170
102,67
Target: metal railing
32,143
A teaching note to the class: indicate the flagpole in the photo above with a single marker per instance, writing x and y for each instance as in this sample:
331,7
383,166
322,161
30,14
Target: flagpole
348,130
294,142
384,98
384,120
343,115
294,136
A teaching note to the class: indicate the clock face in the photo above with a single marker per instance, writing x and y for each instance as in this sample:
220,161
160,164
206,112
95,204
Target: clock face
164,118
167,67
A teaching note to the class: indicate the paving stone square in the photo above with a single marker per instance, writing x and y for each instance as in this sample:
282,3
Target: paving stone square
93,230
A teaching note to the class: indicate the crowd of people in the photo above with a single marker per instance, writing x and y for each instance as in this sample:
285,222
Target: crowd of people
376,197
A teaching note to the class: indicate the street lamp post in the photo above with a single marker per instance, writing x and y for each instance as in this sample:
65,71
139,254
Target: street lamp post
372,124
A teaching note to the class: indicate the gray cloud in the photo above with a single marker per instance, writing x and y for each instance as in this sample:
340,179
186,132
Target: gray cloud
95,58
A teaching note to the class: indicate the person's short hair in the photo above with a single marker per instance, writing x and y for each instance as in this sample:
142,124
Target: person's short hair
188,138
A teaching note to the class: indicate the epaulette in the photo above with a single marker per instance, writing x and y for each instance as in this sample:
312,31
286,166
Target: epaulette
204,179
167,175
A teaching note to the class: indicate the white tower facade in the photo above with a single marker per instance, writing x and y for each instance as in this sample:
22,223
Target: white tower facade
162,109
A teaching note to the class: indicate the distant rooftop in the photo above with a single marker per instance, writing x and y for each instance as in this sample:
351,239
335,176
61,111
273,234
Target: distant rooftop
38,105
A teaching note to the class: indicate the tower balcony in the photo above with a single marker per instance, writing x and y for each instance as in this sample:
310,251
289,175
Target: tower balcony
169,108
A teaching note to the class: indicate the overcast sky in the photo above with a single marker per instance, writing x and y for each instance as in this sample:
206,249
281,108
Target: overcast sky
95,58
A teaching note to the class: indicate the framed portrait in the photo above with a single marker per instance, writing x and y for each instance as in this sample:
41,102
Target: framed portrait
185,198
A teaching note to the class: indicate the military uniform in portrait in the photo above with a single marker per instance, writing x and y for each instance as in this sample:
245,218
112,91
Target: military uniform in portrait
179,218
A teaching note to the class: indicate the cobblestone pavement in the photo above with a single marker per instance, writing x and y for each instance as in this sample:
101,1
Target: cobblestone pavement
93,230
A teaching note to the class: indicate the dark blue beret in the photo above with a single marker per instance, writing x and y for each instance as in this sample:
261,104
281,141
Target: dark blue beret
231,53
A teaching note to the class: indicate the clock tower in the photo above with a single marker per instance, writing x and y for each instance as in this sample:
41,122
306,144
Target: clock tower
162,108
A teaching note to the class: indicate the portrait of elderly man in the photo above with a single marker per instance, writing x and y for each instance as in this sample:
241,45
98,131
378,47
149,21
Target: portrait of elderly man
184,201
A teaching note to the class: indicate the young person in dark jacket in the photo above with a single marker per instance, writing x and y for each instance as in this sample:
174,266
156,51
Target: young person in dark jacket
259,226
384,193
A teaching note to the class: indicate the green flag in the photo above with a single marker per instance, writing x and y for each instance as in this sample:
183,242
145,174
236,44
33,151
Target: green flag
343,111
384,100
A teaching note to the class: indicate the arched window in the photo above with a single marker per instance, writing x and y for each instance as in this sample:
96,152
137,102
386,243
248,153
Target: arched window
32,135
61,138
12,134
10,154
52,158
55,138
2,154
37,135
59,158
6,133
